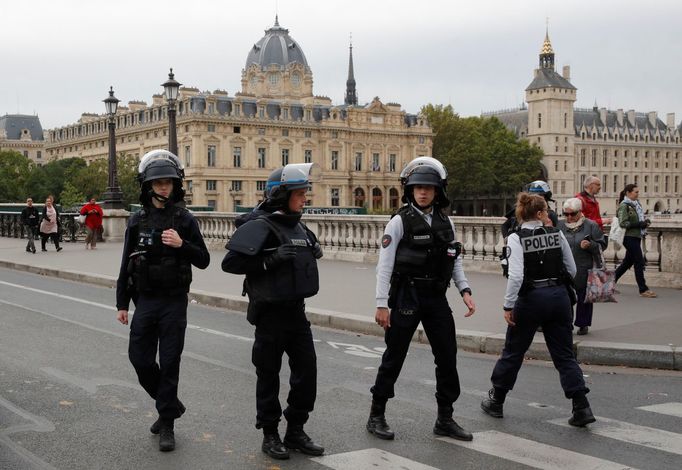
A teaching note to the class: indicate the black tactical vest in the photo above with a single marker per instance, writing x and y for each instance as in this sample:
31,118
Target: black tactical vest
542,255
288,281
158,268
423,250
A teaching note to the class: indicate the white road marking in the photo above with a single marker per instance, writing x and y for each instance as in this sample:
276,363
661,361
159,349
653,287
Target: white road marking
670,409
376,459
533,454
61,296
634,434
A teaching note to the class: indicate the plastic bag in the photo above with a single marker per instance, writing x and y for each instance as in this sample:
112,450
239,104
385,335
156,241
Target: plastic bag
617,232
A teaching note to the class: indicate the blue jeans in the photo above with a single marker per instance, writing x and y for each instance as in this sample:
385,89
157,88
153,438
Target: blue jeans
633,256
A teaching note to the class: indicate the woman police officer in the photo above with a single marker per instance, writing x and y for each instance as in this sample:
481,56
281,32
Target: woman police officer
539,293
162,242
418,258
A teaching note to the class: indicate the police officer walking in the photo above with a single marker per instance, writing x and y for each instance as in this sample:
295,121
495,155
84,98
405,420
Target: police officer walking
162,242
539,294
278,254
418,258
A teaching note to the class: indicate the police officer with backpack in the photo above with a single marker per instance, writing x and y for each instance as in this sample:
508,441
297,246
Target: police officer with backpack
418,258
162,242
278,254
539,294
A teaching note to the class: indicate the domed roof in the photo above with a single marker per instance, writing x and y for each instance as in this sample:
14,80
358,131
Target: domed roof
276,47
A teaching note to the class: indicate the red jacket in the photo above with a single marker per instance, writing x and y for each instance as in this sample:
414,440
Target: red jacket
591,208
93,215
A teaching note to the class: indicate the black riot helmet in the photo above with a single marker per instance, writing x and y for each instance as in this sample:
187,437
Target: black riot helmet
156,165
425,171
288,178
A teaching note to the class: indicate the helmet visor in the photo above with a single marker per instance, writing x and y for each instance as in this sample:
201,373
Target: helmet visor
158,156
424,161
300,175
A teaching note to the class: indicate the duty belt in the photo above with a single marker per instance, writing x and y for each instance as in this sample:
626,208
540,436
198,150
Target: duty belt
546,283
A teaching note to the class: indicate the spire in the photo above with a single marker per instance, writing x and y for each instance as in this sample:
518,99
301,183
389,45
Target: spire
276,19
351,94
547,53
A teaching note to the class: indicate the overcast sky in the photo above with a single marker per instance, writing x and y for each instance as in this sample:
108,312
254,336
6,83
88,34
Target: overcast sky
58,58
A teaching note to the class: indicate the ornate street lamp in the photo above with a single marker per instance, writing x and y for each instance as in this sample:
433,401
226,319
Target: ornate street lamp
171,88
113,197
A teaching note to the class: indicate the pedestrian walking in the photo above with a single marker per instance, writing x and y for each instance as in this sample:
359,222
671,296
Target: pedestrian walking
539,293
30,218
278,254
418,258
49,225
93,222
162,243
586,240
631,217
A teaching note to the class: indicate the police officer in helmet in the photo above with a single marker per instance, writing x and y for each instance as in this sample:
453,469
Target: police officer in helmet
418,258
539,294
279,256
162,242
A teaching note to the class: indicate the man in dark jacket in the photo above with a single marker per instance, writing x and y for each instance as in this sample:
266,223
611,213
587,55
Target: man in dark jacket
30,218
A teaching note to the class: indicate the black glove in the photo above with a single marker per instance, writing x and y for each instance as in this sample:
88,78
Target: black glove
317,251
282,254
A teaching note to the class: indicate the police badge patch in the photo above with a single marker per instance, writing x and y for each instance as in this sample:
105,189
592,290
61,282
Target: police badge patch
385,241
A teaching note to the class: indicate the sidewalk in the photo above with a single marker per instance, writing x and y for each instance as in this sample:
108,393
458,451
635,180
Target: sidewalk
635,332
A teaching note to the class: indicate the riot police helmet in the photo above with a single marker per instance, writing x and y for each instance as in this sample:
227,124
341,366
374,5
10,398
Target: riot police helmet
156,165
540,188
425,171
288,178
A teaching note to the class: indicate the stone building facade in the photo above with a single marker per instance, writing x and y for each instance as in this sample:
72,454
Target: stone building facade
230,144
24,134
620,147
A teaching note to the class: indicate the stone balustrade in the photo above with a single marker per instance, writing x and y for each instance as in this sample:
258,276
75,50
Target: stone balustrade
358,237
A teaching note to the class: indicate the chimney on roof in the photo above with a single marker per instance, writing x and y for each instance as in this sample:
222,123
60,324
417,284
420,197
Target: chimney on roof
602,115
567,72
631,117
670,120
652,115
619,117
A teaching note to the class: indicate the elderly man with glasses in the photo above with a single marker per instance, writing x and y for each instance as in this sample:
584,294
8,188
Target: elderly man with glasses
586,240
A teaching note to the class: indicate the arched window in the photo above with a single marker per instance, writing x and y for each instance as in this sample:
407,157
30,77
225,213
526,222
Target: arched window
376,198
359,197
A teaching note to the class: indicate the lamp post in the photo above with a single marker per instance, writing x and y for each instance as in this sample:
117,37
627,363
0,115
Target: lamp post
171,88
113,197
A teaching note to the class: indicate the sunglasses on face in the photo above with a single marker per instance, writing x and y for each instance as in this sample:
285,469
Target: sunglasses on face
570,214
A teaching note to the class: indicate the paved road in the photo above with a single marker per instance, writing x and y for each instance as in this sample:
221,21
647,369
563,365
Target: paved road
69,399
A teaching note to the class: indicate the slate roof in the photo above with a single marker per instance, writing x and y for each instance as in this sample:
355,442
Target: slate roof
14,123
276,47
548,78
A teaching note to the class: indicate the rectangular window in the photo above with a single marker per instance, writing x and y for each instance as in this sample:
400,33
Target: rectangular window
26,153
358,161
285,157
615,184
376,166
563,187
211,185
261,112
237,157
237,129
261,131
335,160
308,156
285,132
188,156
307,134
236,185
335,134
260,185
40,154
421,139
211,203
211,155
539,120
188,184
261,157
334,193
211,128
391,162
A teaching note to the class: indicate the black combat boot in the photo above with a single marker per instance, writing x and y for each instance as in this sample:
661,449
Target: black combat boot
156,427
376,424
166,437
446,426
296,439
494,403
272,445
582,413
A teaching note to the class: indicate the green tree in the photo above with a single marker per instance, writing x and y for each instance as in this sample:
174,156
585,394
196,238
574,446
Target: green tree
51,177
126,167
71,196
15,170
91,180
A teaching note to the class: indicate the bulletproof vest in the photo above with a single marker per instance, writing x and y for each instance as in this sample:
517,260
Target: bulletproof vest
542,255
158,268
287,281
423,250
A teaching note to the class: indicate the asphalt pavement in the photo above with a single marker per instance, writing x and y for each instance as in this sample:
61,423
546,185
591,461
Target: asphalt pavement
636,331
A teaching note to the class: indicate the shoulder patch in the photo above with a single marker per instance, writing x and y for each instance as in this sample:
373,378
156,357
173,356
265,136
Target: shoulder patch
386,241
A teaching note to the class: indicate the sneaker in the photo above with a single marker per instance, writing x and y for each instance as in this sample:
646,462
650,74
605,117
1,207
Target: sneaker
166,439
648,294
60,248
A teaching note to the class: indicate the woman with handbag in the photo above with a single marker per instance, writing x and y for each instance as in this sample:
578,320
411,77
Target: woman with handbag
586,240
49,225
631,218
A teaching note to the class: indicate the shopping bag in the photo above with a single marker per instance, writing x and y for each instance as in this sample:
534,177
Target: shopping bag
81,218
601,284
617,233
